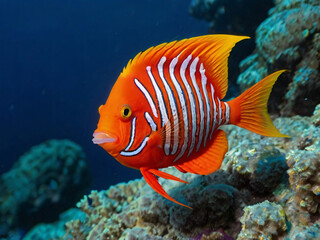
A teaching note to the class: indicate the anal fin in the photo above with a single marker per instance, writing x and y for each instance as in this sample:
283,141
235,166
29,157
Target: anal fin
153,182
209,161
166,175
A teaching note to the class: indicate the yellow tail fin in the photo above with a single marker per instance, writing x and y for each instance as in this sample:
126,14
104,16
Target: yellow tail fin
250,111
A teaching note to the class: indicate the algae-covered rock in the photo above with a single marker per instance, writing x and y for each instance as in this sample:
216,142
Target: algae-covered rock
213,206
262,221
304,178
253,162
268,173
306,232
46,180
288,39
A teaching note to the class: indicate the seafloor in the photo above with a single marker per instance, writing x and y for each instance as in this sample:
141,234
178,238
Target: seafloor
267,188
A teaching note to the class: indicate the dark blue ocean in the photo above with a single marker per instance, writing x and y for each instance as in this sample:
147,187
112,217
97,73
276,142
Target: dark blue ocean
59,60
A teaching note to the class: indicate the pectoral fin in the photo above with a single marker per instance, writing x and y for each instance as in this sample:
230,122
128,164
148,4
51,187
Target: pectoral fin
153,182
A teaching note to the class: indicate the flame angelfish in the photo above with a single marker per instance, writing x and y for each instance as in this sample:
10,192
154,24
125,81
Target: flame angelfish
166,107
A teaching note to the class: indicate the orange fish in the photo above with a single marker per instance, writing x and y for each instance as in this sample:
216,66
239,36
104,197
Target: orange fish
166,107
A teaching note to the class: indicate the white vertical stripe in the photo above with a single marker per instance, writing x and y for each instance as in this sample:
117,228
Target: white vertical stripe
171,101
193,119
147,95
132,133
183,106
214,112
227,113
204,89
163,111
200,100
220,111
149,119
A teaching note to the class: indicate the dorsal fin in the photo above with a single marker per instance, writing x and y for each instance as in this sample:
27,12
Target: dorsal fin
212,50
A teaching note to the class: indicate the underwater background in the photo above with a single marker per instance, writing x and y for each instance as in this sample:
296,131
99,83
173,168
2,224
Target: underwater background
58,62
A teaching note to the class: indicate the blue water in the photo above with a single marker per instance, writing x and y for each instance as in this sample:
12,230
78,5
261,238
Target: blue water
59,60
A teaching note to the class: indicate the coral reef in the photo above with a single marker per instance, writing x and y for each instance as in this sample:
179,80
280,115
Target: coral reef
298,195
253,196
46,180
127,209
288,39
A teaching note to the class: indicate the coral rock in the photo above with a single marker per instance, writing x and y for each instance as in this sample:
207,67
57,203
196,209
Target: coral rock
306,232
288,39
46,180
262,221
305,178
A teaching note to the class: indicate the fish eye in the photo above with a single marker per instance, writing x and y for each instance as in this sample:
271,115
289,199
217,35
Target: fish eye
126,111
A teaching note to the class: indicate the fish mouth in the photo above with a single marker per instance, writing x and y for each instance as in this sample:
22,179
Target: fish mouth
102,137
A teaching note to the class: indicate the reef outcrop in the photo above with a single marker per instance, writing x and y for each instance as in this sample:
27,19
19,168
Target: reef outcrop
288,39
45,181
262,221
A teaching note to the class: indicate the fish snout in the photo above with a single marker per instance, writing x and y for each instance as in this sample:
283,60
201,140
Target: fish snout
103,137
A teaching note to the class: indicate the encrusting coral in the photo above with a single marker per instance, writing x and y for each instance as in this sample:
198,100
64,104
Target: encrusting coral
45,181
